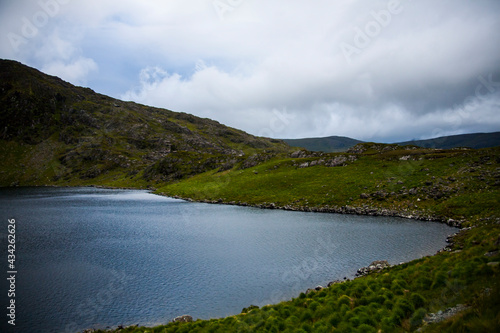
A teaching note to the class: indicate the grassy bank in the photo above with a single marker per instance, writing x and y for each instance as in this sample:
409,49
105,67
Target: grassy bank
429,184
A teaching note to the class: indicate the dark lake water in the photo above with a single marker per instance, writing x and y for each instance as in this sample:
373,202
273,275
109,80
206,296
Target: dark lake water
88,257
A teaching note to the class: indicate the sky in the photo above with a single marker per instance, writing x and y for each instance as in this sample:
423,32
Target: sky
383,71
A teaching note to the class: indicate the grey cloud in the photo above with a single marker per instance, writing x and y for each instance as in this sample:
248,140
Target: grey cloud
417,75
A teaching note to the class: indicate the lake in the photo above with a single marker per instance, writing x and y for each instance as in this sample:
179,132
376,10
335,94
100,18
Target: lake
92,258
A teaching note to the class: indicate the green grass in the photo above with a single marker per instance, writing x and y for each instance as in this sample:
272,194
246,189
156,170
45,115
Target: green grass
439,184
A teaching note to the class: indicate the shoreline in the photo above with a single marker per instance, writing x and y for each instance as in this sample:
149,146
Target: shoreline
344,210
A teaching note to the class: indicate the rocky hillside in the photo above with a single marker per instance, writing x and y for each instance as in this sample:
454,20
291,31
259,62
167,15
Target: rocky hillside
53,132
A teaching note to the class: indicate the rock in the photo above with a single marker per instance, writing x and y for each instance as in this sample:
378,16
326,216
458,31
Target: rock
183,319
364,196
331,283
373,267
443,315
337,161
493,263
491,253
308,291
298,154
318,288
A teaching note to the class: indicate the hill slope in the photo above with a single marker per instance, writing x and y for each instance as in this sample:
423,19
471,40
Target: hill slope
329,144
55,133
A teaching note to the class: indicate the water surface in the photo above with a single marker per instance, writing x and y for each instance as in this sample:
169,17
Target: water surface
89,257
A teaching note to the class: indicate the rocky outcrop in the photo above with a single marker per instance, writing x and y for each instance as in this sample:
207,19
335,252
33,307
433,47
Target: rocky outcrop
183,319
375,266
439,316
318,288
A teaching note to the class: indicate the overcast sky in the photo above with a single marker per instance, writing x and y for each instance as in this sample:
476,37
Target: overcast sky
382,71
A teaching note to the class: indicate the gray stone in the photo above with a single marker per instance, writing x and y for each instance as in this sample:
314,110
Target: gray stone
183,319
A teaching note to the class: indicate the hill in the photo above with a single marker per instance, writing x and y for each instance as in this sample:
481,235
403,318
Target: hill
328,144
475,140
53,132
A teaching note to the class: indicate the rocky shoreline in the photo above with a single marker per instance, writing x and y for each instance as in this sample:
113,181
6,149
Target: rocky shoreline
364,210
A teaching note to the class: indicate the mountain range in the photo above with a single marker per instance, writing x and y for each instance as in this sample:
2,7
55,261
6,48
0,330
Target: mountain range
341,143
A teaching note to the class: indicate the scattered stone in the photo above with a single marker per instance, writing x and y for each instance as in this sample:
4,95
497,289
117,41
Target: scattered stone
443,315
308,291
491,253
337,161
493,263
375,266
331,283
183,319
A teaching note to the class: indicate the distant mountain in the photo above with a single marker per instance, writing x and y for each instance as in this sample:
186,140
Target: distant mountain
340,143
476,141
52,132
329,144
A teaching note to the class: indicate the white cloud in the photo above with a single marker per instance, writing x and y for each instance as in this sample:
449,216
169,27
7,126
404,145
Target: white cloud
75,71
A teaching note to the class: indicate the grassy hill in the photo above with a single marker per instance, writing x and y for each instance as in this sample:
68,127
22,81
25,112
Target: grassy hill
475,140
329,144
339,143
58,134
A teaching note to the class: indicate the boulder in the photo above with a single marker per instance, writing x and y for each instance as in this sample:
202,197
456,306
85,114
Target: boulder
375,266
183,319
331,283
